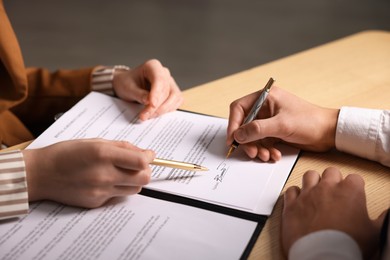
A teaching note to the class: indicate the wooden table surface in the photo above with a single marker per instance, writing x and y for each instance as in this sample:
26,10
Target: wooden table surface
353,71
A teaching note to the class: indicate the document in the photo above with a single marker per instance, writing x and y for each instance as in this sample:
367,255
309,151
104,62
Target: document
137,227
237,182
180,214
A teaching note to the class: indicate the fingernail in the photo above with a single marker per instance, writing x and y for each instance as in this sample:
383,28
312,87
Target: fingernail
240,135
150,153
145,99
144,116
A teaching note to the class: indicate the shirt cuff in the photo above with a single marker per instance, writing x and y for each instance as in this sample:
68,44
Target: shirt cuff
102,79
357,131
325,244
13,185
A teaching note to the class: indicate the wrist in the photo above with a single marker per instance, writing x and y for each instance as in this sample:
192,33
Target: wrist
330,133
32,175
119,76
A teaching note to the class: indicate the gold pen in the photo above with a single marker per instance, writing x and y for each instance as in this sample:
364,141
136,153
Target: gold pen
253,113
178,165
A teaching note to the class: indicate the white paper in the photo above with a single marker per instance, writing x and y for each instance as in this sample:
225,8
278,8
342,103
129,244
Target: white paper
238,182
136,227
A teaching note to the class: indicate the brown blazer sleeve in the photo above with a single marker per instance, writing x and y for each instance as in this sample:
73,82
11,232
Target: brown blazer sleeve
50,93
29,98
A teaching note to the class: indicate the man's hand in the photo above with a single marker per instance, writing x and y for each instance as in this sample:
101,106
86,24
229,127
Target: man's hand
283,117
329,202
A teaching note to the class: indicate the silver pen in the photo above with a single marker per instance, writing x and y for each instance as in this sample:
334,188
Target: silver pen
253,113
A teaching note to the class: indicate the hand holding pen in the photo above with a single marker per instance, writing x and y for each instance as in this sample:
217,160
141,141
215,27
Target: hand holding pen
284,117
253,112
89,172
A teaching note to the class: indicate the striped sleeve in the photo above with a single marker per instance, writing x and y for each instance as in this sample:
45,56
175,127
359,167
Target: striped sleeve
102,79
13,185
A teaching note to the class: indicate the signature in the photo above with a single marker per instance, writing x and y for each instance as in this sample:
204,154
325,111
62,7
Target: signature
223,168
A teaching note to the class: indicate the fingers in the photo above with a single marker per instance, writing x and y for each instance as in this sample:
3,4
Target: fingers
138,94
259,129
131,157
98,198
237,114
121,191
171,103
150,84
159,79
267,154
236,117
128,165
270,124
130,171
164,93
122,154
355,180
354,183
290,195
332,175
133,170
124,177
88,172
263,149
309,180
312,178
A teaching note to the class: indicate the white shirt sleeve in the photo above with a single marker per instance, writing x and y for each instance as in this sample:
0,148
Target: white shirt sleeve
325,244
364,133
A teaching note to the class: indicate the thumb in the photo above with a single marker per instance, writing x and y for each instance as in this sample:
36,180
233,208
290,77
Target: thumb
150,155
258,129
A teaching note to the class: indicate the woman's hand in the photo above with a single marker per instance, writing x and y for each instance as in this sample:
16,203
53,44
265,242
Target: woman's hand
150,84
86,173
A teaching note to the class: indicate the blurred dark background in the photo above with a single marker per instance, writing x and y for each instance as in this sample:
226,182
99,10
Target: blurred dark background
198,40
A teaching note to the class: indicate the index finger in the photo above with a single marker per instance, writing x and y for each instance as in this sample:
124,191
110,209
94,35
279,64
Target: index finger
238,111
130,157
159,78
309,180
290,195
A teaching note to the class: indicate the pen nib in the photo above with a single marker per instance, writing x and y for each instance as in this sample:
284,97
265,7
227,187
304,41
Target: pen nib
201,168
231,149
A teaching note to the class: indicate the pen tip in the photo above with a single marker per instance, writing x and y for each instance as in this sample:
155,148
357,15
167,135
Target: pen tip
231,149
200,168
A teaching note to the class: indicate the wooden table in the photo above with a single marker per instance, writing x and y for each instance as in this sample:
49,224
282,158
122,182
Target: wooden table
353,71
